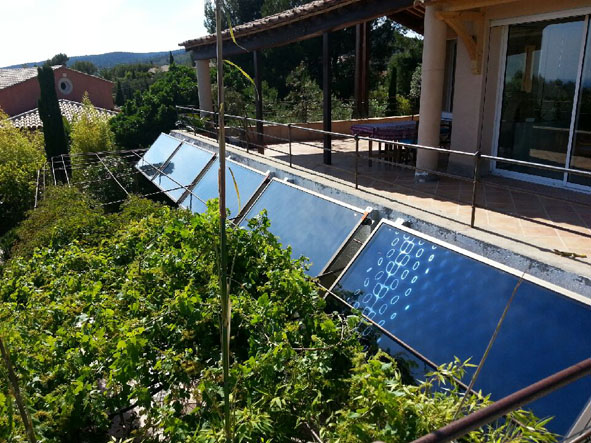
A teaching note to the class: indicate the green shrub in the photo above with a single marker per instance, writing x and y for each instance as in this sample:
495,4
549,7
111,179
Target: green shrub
21,155
133,321
63,215
94,178
90,131
66,215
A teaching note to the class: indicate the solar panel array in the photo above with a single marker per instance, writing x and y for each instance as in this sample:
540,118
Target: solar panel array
301,219
437,299
446,302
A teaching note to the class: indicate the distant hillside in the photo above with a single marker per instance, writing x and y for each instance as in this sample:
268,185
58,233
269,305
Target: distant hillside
111,59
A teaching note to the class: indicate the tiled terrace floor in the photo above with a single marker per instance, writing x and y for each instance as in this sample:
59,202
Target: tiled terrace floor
523,212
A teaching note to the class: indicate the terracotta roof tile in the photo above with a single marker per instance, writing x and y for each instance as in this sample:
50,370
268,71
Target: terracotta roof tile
70,109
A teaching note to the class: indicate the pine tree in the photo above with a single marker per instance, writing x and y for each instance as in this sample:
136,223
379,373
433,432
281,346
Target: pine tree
50,114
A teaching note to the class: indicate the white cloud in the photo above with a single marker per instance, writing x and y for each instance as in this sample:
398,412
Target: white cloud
34,30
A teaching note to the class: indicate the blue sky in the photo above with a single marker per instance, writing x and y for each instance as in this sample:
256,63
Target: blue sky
34,30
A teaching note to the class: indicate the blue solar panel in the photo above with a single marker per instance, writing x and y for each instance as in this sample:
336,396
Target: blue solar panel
156,156
247,180
447,303
312,225
182,169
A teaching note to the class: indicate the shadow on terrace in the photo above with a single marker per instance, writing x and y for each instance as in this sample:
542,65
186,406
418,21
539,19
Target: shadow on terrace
554,220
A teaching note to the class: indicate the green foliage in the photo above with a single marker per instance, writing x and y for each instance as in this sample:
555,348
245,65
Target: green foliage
63,215
119,97
90,131
50,114
58,59
154,111
392,103
84,66
93,178
414,95
21,155
305,95
66,215
132,321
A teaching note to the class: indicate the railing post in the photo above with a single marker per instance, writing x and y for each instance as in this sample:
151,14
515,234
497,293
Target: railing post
245,128
356,161
475,186
289,138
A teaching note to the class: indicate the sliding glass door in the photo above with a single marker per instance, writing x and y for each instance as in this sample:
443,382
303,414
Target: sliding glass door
546,105
580,156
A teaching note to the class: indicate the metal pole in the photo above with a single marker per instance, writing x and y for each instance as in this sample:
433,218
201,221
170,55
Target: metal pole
289,138
475,186
508,404
225,299
356,161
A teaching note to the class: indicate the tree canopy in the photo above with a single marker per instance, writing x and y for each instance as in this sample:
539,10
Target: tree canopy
153,111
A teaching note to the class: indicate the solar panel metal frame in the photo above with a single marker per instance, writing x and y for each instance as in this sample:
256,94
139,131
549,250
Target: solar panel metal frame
186,188
363,213
266,176
180,142
585,414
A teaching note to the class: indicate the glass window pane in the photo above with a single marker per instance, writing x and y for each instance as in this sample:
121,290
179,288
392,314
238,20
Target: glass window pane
157,155
445,304
182,169
581,150
247,180
313,226
540,77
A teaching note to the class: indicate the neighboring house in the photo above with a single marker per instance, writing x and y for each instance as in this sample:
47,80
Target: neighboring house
19,88
69,109
515,73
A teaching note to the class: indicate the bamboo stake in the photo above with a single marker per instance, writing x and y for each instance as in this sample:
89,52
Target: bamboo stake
17,393
225,298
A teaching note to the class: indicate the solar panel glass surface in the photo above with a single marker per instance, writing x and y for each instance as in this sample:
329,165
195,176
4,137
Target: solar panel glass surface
313,226
445,304
182,169
247,182
156,156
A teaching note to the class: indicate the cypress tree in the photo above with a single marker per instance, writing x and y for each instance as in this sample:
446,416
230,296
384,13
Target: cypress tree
170,58
50,114
119,97
392,108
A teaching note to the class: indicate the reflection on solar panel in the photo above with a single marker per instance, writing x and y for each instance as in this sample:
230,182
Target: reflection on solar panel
182,169
247,180
157,155
447,303
312,225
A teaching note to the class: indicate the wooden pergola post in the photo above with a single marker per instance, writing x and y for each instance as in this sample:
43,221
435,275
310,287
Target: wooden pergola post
258,99
326,91
362,46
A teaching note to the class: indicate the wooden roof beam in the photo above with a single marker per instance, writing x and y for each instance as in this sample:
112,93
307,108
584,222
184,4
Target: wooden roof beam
474,42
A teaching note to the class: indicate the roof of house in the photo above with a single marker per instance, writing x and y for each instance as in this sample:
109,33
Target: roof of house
306,12
69,109
12,76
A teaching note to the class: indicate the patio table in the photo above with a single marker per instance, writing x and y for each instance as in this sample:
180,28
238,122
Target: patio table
395,131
